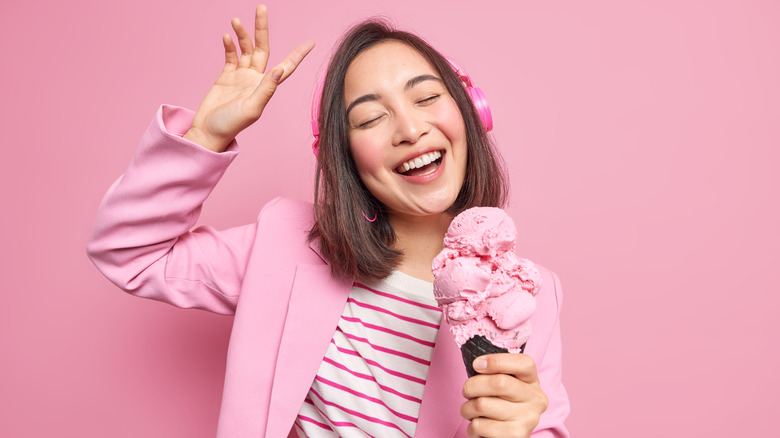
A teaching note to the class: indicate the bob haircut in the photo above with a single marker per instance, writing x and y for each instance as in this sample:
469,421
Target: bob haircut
355,247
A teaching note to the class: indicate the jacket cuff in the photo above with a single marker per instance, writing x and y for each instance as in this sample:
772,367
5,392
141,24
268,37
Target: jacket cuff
174,121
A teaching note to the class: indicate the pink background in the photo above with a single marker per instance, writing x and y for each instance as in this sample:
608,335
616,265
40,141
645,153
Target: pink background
642,139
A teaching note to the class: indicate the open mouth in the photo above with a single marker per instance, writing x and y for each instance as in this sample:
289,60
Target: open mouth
422,165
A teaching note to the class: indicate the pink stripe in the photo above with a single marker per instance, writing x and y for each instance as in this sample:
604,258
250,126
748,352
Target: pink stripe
403,300
298,425
401,317
388,331
359,414
376,364
315,422
371,378
336,423
365,397
385,349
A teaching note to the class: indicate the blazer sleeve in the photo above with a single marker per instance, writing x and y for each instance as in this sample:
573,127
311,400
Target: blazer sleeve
549,372
142,238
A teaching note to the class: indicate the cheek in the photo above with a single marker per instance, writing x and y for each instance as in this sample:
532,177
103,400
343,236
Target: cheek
451,123
366,153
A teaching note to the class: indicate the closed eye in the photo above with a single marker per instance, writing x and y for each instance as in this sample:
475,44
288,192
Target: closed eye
366,124
429,99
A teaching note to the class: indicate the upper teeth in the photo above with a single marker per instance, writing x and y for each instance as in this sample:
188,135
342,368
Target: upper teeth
422,160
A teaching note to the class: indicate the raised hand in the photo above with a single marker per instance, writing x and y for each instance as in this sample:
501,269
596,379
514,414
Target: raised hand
243,88
505,400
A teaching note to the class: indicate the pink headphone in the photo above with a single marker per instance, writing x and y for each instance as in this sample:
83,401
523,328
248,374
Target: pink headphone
476,95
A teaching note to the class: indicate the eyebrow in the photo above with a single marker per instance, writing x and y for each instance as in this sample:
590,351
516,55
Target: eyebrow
409,84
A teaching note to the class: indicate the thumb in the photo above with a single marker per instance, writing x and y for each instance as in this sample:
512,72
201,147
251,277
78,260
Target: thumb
267,87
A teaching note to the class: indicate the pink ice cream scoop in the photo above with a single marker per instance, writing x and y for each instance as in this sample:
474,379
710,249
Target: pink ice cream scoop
484,290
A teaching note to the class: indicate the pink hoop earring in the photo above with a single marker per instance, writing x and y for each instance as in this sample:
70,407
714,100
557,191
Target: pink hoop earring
364,215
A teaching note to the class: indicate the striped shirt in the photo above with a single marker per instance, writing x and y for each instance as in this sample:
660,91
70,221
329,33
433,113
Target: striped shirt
371,380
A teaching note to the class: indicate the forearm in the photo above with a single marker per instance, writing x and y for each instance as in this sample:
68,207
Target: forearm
151,209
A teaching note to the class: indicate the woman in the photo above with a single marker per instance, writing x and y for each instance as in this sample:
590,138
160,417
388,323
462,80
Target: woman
336,331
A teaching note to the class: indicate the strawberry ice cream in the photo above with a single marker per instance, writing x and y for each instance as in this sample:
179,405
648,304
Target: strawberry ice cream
484,290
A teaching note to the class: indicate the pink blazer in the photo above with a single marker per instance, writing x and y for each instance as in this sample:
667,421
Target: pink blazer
286,303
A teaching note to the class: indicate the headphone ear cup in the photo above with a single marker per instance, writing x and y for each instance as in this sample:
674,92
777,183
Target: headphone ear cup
476,95
482,107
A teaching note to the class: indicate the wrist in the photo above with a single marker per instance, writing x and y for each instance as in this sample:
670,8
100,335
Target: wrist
198,137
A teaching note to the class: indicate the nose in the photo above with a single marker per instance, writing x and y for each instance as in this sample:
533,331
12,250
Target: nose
409,126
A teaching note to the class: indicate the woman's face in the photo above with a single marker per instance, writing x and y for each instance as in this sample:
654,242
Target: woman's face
406,133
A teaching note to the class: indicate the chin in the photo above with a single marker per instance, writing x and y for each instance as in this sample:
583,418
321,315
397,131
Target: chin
438,207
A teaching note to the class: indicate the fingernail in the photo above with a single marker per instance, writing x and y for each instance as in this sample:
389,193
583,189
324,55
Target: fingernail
480,364
277,74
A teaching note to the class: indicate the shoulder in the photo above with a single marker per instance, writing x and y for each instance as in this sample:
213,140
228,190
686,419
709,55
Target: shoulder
550,292
286,214
545,320
291,211
283,228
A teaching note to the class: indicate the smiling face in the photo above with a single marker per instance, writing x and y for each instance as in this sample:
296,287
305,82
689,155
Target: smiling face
406,134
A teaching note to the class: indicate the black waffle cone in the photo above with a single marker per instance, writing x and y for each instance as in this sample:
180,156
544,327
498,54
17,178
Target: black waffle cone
479,346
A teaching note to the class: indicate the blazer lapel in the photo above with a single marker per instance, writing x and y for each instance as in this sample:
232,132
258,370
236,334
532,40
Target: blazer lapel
440,408
316,304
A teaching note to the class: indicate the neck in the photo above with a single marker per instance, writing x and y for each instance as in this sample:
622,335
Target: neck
420,238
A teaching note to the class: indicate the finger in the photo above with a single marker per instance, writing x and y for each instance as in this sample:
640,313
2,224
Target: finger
295,58
277,75
498,385
231,56
262,94
482,428
490,407
244,42
521,366
488,428
262,45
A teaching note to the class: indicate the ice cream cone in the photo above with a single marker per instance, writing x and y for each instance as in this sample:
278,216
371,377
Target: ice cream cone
479,346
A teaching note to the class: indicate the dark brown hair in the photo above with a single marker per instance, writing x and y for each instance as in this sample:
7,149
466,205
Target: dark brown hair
355,247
